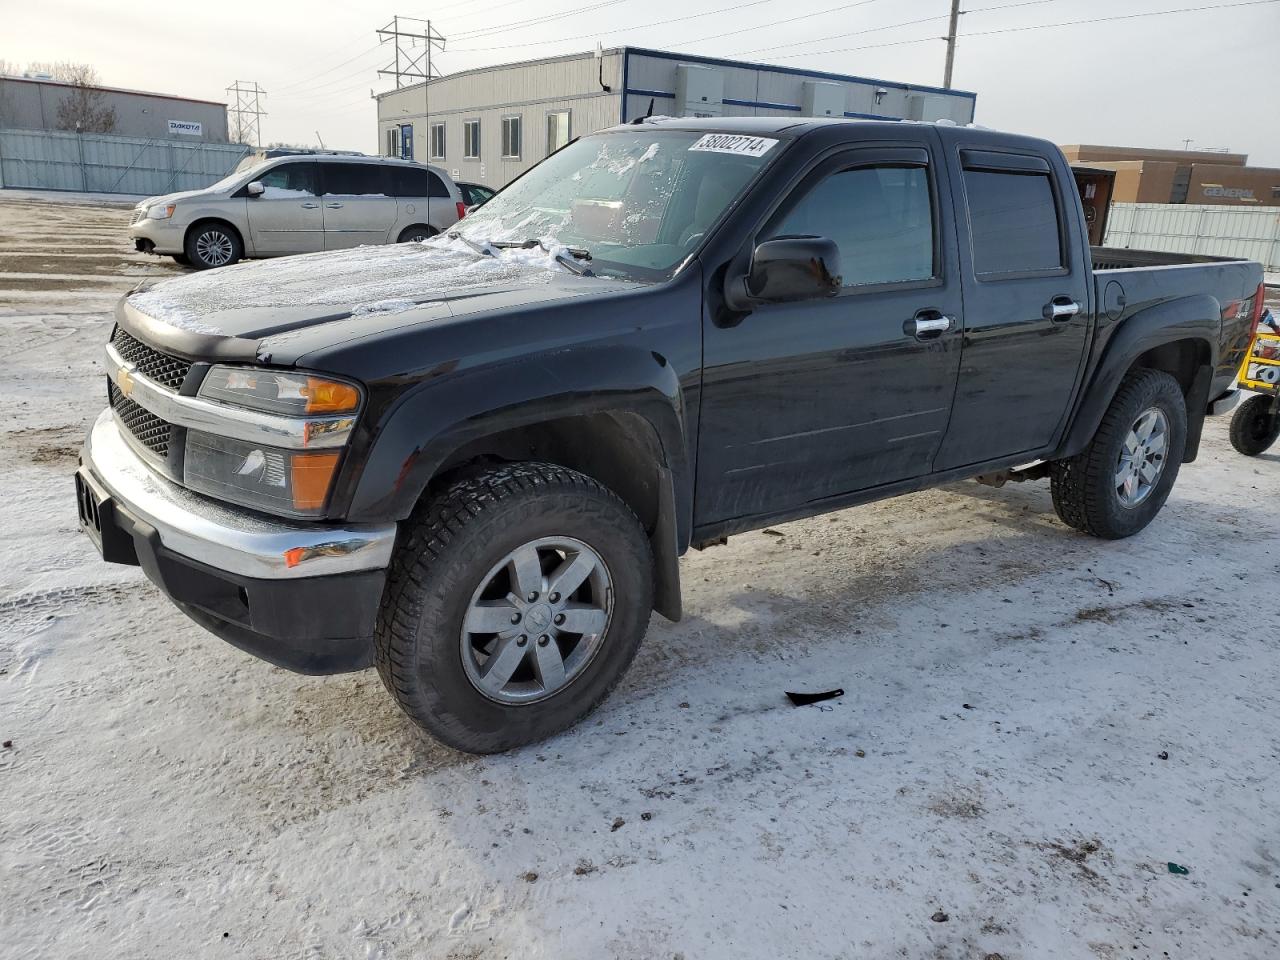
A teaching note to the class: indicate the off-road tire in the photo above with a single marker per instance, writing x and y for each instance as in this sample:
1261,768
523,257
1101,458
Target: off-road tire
448,546
1083,486
192,246
1255,426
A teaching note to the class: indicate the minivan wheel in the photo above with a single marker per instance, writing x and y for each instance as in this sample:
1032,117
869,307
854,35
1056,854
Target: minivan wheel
417,233
1117,484
212,245
516,600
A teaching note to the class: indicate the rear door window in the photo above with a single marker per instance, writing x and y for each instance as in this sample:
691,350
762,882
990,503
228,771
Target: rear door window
354,180
1013,221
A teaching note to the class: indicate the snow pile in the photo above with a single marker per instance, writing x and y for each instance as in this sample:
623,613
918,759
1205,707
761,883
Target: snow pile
362,280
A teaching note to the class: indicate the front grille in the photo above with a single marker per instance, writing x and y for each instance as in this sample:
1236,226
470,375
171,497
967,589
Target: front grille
148,429
135,217
151,363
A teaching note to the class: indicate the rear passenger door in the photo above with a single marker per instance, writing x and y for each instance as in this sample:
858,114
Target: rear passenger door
1026,306
358,205
423,199
286,217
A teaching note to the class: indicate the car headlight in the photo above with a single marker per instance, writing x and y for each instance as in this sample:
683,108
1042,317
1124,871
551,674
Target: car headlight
291,482
276,391
161,211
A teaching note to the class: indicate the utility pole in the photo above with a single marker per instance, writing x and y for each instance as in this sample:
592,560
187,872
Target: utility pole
245,110
412,65
951,42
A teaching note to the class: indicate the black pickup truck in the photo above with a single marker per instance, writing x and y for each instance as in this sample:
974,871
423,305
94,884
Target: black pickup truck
476,460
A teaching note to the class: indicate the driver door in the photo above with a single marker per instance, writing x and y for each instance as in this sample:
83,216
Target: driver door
286,217
809,400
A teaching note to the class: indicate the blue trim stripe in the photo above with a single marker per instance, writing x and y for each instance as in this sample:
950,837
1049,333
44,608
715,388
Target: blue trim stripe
795,71
660,94
760,103
871,116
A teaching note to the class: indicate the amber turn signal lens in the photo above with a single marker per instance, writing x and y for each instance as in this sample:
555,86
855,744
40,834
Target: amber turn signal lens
312,473
329,396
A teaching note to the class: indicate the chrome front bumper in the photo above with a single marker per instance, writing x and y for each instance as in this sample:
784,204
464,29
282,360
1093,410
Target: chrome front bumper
236,541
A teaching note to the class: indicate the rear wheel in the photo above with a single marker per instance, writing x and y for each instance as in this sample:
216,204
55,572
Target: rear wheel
212,245
417,233
1117,484
515,602
1256,425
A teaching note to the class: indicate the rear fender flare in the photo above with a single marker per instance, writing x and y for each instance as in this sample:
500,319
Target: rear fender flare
1195,319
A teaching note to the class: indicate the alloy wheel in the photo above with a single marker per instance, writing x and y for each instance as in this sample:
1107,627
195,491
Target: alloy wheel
1142,457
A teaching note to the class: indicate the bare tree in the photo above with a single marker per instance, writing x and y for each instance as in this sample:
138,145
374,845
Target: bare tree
83,108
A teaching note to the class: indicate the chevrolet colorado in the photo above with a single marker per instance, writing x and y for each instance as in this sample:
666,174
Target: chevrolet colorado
476,460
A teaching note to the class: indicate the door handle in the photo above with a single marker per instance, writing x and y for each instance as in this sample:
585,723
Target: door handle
1061,308
927,325
333,206
311,206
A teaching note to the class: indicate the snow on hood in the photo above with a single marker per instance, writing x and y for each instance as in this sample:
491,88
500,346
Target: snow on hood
382,279
171,198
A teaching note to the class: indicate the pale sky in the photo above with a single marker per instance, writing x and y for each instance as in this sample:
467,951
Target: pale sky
1210,76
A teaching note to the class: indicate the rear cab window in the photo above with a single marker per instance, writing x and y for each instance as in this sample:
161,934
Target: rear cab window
1015,219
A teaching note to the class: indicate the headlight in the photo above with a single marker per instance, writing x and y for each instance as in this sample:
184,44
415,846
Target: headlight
290,482
274,391
161,212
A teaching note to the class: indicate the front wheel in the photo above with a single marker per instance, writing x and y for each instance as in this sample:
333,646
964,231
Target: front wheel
1256,425
1118,483
515,601
212,245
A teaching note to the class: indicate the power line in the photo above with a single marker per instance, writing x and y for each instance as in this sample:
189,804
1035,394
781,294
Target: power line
733,8
1037,26
490,31
336,66
778,23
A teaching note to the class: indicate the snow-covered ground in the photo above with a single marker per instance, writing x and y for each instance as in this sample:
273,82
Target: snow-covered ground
1035,725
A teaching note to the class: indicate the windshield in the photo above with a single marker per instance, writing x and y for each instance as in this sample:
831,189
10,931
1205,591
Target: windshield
638,201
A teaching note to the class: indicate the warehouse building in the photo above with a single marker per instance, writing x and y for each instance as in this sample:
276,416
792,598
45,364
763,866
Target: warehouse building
31,103
1182,176
490,124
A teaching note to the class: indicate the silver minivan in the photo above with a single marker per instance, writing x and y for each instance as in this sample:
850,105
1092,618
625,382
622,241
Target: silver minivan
298,204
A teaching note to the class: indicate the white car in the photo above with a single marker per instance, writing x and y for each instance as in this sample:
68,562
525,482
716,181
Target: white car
298,204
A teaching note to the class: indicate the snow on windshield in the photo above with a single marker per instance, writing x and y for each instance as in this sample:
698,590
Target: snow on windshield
383,279
638,200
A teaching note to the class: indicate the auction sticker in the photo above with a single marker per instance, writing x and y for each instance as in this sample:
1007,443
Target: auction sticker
735,143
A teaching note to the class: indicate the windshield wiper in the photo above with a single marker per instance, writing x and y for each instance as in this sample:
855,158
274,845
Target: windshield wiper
484,250
570,262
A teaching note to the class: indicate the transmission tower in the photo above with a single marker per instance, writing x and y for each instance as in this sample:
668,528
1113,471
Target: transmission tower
415,40
245,110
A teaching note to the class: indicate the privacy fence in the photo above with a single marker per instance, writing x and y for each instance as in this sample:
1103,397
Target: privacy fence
98,163
1219,231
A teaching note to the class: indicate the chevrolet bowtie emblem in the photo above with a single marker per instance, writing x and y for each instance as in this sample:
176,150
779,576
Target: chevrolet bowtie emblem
124,380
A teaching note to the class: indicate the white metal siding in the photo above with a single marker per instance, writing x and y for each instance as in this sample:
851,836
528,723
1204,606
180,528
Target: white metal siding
1210,229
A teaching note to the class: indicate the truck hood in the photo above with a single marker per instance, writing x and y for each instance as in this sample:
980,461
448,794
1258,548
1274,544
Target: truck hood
170,198
288,306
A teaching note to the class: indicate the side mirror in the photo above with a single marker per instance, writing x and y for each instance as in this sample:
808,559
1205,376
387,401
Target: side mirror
256,189
787,270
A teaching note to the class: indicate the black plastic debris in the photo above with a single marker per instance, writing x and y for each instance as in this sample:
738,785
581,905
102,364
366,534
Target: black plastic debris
804,699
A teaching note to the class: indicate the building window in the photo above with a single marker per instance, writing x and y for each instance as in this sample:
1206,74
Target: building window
437,141
393,142
511,138
471,139
557,130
